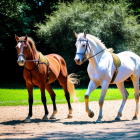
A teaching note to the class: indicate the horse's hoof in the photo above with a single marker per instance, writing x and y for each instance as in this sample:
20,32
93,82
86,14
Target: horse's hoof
135,118
45,118
117,119
98,121
91,114
52,117
27,120
69,116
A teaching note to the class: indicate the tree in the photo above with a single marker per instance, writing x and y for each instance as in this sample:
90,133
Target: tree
13,17
20,16
13,20
135,6
110,21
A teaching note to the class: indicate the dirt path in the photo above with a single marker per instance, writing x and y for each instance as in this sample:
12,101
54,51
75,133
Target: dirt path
79,127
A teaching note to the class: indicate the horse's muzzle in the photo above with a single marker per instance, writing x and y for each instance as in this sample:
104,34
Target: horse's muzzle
78,61
21,61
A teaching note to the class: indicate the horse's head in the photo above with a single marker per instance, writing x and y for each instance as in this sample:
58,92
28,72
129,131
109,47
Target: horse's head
83,48
22,49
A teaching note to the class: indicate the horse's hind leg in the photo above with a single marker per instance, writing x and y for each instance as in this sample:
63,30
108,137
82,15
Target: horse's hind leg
52,94
125,95
136,89
63,82
43,98
67,95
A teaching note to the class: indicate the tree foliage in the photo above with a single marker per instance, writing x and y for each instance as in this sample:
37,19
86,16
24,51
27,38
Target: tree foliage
13,18
135,6
18,17
55,30
112,22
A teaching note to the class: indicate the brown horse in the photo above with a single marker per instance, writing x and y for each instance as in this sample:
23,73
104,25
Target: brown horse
41,71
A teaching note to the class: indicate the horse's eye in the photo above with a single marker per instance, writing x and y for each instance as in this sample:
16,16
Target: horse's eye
83,45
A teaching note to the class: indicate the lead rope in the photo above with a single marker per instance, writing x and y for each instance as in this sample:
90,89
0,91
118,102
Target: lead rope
93,55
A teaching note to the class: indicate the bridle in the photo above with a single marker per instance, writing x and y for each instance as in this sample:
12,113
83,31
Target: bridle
86,47
84,54
21,54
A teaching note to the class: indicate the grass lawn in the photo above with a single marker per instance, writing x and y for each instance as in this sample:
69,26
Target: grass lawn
13,97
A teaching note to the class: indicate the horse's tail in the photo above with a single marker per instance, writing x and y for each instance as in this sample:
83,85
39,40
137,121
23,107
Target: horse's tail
70,84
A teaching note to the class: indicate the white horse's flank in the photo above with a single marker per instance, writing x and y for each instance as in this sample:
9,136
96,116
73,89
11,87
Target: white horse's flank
101,68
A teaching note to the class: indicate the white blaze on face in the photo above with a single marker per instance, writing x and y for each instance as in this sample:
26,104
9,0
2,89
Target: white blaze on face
19,45
20,58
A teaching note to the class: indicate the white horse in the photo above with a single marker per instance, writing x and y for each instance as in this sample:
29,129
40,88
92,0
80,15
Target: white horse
101,68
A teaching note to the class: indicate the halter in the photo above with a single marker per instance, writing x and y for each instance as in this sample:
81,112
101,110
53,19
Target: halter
84,55
21,54
85,49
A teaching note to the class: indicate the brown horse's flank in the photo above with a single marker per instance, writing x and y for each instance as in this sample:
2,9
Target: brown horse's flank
35,73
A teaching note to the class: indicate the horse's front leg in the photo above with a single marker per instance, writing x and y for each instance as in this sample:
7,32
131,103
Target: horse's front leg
105,85
43,98
30,100
92,86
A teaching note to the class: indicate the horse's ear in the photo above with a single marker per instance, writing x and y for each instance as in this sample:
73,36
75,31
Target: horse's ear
16,37
84,34
25,37
76,34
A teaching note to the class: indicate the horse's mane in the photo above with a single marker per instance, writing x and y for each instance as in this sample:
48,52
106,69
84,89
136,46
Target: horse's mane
31,43
101,44
97,40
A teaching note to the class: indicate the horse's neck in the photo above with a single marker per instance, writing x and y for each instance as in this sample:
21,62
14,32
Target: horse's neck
93,62
95,48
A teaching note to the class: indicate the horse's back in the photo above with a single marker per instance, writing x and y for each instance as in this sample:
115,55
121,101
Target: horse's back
130,66
57,63
130,55
130,59
133,60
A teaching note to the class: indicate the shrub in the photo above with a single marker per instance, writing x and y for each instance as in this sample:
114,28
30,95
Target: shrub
111,21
